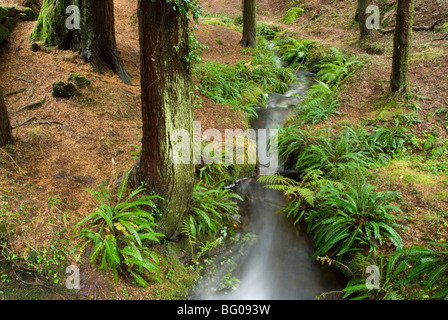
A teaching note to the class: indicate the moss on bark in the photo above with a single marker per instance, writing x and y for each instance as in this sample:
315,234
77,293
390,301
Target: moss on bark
166,106
402,45
5,126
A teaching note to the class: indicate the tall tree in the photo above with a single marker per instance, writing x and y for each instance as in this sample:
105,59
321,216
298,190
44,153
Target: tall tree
95,37
402,45
362,18
5,126
249,24
166,106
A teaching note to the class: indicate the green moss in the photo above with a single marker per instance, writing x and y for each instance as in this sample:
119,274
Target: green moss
4,12
215,22
79,80
4,33
291,15
50,27
29,14
9,23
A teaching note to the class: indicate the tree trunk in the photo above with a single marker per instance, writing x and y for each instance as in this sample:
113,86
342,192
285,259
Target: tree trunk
166,105
362,18
249,24
5,126
95,39
402,45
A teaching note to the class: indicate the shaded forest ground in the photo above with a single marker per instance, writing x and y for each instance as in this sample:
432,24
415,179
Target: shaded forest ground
45,172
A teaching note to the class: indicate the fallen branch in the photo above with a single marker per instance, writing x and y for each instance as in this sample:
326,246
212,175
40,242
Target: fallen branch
16,52
446,36
22,79
34,105
14,92
414,28
37,121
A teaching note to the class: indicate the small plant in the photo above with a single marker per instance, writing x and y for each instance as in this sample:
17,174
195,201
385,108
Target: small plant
391,139
118,228
333,154
292,14
336,70
294,51
347,219
295,192
429,265
319,104
210,210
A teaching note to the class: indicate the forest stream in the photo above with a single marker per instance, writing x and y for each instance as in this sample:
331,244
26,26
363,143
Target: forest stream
277,264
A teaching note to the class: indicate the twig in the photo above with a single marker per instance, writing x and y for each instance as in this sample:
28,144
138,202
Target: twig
446,36
37,121
34,105
22,79
29,283
14,92
414,28
31,93
16,52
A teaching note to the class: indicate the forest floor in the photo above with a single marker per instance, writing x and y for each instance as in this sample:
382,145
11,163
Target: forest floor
46,171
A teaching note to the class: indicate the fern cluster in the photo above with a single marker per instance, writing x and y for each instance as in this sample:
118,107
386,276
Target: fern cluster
352,218
340,67
211,209
293,51
415,264
243,86
118,229
334,154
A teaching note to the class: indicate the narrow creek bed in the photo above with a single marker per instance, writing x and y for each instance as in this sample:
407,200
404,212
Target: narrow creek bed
277,262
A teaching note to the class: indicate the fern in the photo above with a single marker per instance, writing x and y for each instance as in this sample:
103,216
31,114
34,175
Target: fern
117,230
430,265
336,70
345,220
210,209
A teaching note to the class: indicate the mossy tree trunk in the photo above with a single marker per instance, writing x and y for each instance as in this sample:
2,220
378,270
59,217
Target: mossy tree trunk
249,24
402,45
95,39
362,18
166,105
5,126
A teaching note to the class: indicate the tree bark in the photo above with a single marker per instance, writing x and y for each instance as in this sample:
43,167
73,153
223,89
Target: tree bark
5,126
402,45
166,105
95,40
249,24
362,18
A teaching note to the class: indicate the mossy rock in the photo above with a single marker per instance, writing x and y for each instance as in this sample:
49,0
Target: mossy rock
291,15
4,13
63,90
79,80
9,23
4,33
28,14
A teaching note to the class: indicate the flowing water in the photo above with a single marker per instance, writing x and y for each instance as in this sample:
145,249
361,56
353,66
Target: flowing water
276,263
